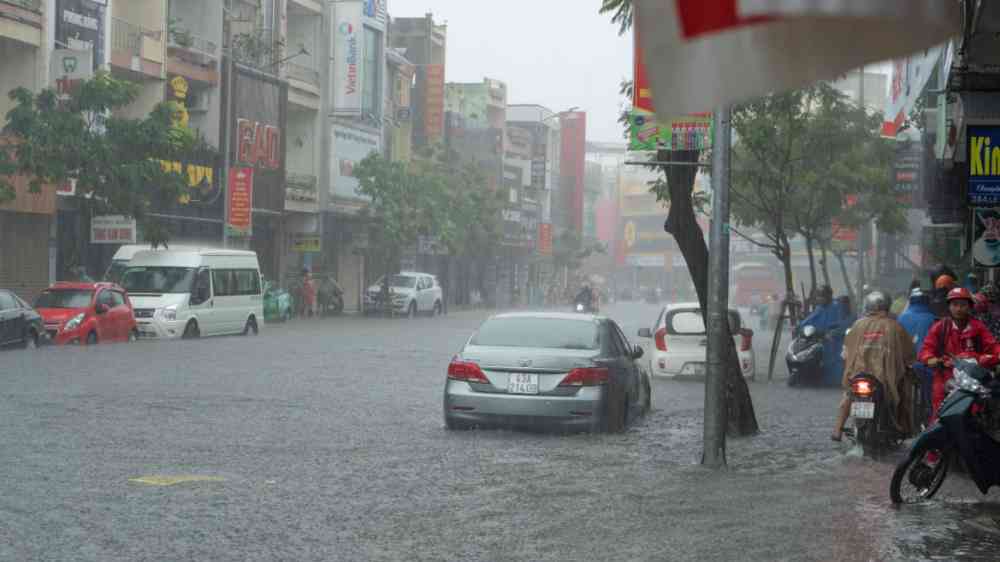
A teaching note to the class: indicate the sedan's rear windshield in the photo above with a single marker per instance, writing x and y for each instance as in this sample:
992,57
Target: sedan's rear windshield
551,333
64,298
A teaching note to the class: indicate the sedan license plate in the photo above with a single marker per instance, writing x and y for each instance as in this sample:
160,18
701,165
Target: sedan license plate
696,369
520,383
863,410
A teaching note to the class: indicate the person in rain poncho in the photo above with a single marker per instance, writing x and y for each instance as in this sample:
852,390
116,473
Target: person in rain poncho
880,346
917,320
830,319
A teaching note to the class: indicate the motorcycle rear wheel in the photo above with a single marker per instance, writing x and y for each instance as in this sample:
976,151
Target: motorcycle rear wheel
914,481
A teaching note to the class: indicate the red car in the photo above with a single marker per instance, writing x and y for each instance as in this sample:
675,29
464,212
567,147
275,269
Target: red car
87,313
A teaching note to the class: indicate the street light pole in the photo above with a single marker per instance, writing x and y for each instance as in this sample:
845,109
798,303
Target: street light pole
227,158
714,452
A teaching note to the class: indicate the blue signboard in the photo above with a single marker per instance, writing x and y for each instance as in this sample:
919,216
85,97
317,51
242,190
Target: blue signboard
984,166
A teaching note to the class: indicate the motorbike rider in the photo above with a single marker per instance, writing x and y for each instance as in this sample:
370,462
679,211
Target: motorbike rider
917,319
585,297
957,335
829,318
991,316
878,345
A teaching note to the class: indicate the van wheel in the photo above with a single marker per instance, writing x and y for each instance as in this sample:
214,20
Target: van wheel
412,311
191,331
92,338
251,328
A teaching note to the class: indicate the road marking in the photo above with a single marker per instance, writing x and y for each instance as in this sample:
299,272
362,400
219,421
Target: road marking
159,480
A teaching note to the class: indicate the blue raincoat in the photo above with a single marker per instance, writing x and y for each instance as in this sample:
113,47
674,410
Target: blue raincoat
917,321
834,320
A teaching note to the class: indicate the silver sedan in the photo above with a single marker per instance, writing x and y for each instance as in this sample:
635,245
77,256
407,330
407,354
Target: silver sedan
549,371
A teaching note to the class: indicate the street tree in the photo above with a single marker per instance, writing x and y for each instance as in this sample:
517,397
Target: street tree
677,188
113,160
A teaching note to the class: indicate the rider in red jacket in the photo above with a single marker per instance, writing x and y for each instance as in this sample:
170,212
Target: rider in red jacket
956,335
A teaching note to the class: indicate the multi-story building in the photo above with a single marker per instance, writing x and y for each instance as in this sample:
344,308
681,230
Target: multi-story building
27,222
353,131
398,106
426,45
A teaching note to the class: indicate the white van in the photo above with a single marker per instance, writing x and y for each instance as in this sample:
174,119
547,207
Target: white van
123,256
193,293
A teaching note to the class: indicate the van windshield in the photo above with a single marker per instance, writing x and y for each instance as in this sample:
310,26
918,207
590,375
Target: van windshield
158,279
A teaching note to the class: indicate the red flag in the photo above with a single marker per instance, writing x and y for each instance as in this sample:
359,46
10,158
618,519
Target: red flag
700,54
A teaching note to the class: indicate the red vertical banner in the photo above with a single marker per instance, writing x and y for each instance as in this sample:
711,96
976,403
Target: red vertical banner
642,93
434,101
239,218
545,239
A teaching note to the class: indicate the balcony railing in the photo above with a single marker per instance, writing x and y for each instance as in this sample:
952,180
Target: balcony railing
306,74
184,39
126,36
33,5
261,48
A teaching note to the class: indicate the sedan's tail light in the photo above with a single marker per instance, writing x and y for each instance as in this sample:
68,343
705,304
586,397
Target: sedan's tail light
746,341
590,376
466,371
661,339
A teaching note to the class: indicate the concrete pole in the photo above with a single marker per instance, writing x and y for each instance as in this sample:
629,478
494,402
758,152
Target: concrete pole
227,158
714,455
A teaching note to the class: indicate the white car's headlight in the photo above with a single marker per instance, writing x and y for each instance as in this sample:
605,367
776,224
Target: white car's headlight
169,313
74,322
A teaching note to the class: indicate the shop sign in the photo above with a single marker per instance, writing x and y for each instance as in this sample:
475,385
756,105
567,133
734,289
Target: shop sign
348,61
984,165
69,68
645,260
545,239
80,27
350,146
112,229
434,100
986,246
239,219
307,244
259,144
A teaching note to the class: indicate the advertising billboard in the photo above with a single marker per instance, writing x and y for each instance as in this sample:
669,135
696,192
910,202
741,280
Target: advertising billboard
239,221
258,131
986,243
434,100
984,165
80,27
350,146
347,59
573,129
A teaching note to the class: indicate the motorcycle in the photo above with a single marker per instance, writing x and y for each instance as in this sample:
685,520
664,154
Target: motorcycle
805,357
277,303
968,428
874,428
329,296
583,307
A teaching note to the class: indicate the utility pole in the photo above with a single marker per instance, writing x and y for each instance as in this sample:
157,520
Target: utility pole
228,136
862,231
714,452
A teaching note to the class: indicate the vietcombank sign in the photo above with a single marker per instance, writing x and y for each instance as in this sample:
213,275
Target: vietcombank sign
984,166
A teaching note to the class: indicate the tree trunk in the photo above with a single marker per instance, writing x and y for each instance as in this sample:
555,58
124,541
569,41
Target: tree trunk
683,226
812,265
824,261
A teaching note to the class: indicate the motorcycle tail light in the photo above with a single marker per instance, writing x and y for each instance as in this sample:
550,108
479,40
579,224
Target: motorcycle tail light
862,388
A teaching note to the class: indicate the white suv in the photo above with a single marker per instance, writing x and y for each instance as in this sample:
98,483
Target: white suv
412,293
680,342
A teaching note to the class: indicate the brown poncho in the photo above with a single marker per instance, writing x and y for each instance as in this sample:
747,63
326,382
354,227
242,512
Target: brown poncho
880,346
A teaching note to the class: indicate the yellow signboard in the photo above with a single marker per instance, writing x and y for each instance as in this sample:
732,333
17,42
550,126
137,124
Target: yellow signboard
307,244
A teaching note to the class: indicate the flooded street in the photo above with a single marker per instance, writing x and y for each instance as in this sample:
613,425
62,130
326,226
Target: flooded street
323,440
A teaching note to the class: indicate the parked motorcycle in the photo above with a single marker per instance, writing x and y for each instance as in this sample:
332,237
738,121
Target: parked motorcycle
805,357
329,296
277,303
874,428
968,428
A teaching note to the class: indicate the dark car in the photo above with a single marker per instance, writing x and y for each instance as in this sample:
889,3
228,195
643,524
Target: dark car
20,325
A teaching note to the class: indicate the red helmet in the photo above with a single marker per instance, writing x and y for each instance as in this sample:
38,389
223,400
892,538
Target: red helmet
960,293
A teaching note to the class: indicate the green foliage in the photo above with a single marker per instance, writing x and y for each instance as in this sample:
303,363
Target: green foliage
438,196
621,13
113,159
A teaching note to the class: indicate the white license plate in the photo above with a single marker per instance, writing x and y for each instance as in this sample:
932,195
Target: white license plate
863,410
697,369
521,383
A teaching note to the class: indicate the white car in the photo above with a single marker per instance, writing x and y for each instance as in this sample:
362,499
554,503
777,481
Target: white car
680,342
412,293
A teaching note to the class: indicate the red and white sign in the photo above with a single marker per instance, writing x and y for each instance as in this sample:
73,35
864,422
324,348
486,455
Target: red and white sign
701,54
909,78
434,101
545,239
239,219
112,229
258,144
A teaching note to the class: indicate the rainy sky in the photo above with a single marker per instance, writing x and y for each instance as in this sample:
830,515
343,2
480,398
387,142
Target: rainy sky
558,53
